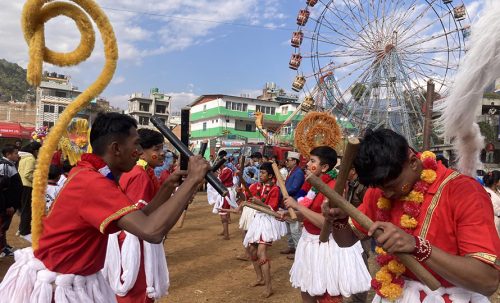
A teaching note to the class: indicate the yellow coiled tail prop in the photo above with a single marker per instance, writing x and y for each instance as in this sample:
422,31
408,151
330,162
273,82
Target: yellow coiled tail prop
35,14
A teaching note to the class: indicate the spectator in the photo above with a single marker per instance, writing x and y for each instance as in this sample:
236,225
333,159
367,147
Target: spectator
293,184
53,187
491,183
66,167
490,153
11,195
28,156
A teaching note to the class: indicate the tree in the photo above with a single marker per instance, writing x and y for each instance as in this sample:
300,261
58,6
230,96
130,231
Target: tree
358,90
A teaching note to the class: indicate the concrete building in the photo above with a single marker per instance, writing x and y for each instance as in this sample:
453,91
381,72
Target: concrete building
21,112
230,120
143,107
53,95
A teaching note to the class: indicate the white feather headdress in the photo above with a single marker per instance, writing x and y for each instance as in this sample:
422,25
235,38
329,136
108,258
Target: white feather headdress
481,66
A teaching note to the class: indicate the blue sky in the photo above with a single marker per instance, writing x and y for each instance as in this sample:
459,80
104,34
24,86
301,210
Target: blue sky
167,48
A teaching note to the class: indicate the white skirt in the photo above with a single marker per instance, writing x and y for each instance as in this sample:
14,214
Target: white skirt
246,218
122,266
411,294
217,200
27,280
265,228
320,268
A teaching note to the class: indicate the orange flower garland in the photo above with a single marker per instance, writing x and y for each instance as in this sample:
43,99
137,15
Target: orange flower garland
388,282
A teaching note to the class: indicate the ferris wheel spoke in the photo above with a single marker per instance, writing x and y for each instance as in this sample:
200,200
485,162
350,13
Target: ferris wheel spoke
332,28
433,50
428,39
418,18
326,40
423,75
353,16
367,26
345,25
398,21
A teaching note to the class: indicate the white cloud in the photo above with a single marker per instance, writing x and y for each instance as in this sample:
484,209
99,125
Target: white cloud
118,79
181,99
120,101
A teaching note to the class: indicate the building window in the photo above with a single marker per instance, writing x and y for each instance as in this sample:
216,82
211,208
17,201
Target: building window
144,107
143,120
205,108
204,125
248,128
61,94
161,109
49,124
284,110
227,120
49,108
236,106
60,109
268,110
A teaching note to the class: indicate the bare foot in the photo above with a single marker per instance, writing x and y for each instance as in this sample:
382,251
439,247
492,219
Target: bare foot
257,283
267,293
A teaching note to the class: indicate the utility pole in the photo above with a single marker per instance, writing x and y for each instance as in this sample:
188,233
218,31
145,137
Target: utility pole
429,100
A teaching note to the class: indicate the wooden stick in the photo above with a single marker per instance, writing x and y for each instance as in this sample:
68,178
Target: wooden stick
349,154
265,210
284,192
408,260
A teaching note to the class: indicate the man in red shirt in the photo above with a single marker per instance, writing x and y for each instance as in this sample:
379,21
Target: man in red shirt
441,217
72,247
129,255
339,271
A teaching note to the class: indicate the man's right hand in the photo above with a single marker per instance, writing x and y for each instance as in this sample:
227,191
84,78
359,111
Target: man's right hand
197,168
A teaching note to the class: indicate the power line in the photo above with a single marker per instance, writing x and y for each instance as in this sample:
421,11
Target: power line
198,20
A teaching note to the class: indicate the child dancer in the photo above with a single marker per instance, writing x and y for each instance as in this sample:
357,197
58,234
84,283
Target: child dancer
324,272
264,228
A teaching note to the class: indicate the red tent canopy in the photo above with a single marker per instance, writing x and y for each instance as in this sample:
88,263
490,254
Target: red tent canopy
15,130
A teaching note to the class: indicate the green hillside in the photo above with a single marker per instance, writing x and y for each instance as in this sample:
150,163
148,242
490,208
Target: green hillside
13,85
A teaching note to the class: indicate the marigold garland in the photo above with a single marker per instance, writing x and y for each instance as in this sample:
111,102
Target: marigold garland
388,282
35,14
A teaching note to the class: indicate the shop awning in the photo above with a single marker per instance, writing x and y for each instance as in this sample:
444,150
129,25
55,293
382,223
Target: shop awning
15,130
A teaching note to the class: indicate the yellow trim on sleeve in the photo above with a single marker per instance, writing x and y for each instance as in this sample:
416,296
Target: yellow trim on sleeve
485,257
115,216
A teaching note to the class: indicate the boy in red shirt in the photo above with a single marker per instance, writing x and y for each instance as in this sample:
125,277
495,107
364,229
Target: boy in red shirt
323,271
264,228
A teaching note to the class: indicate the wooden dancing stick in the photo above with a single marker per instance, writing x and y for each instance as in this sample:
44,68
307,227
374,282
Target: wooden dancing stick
349,154
218,165
265,209
284,192
408,260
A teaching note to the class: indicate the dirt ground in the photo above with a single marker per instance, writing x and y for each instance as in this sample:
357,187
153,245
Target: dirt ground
202,265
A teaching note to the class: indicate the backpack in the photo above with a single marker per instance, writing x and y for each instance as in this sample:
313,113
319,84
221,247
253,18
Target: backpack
4,175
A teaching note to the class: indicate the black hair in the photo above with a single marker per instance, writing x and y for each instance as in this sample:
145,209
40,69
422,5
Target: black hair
491,178
257,155
9,149
326,155
149,137
31,147
381,157
109,127
66,167
222,153
268,167
443,160
54,172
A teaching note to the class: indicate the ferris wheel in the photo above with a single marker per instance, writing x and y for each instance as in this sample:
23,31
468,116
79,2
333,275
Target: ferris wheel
370,60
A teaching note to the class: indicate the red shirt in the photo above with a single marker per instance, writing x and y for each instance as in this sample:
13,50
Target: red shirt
316,207
226,177
138,185
460,222
270,194
75,233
